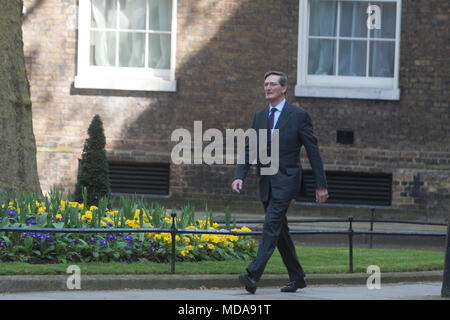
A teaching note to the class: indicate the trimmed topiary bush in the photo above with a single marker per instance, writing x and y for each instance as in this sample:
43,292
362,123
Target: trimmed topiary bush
93,167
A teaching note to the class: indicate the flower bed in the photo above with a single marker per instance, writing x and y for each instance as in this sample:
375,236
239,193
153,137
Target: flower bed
55,247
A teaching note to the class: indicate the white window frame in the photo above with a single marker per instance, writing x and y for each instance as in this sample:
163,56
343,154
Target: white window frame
120,78
325,86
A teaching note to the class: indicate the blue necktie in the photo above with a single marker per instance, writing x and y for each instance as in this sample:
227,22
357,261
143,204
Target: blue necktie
270,123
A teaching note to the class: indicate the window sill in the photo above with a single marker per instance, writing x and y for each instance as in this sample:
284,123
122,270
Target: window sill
124,83
347,93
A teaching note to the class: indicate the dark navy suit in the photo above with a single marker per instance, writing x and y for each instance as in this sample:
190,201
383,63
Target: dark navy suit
277,190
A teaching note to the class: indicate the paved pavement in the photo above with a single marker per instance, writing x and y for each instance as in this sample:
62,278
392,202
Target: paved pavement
394,285
402,291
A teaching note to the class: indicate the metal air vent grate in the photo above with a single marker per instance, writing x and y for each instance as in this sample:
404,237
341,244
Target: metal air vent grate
139,178
354,188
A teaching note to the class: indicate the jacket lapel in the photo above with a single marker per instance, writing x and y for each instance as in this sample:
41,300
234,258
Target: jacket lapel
284,116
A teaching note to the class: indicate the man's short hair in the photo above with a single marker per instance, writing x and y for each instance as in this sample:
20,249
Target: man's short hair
283,77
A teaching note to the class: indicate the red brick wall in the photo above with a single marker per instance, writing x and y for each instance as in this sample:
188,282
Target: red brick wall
224,48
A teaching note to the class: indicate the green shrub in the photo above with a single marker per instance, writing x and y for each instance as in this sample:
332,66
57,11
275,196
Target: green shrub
93,167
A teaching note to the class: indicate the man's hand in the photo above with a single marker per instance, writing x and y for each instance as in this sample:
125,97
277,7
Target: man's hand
236,186
321,195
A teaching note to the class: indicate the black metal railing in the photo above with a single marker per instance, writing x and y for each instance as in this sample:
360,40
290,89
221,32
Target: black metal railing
172,230
350,232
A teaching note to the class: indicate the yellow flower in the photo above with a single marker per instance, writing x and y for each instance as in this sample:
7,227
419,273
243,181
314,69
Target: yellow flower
73,204
184,253
186,239
204,237
202,224
87,217
148,235
137,215
132,224
113,213
189,248
166,237
157,236
59,216
108,219
200,246
210,246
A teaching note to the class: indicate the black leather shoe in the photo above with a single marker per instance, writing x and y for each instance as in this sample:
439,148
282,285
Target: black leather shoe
294,285
249,283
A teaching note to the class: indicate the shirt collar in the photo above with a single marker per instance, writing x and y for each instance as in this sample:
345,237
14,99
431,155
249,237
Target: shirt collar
279,106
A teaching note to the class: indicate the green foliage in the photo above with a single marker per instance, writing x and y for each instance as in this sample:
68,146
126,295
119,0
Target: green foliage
28,211
331,260
93,167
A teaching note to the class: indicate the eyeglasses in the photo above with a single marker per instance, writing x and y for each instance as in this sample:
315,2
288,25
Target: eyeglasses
270,84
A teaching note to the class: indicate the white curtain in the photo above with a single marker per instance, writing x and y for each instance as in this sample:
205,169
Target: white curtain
103,43
352,53
159,44
382,52
322,51
132,16
132,44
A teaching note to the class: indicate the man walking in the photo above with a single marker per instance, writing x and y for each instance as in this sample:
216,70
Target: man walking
277,190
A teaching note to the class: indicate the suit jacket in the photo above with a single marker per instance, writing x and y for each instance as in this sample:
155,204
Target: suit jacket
295,131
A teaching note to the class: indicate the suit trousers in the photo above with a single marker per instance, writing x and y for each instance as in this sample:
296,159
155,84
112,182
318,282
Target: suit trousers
276,234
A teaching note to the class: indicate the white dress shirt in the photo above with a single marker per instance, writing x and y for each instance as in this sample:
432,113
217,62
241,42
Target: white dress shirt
279,108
